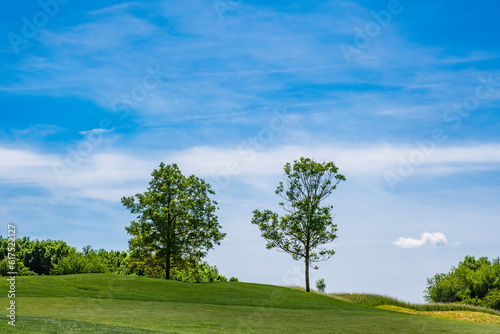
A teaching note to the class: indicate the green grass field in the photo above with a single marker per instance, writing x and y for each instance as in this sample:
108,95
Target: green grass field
98,303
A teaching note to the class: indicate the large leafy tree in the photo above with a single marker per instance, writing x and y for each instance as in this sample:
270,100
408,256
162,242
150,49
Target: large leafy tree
306,226
176,219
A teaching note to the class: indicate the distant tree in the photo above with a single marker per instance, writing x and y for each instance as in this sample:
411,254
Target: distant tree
474,282
321,285
176,219
306,225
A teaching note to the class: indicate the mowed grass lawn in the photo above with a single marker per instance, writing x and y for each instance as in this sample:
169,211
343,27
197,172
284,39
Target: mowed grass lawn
98,303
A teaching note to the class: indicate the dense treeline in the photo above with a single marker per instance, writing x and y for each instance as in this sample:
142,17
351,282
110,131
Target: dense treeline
475,282
55,257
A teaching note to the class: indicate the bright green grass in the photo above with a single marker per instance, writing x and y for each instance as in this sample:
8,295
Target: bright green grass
122,304
50,325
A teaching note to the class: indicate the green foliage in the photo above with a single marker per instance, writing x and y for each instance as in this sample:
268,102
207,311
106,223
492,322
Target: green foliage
42,255
21,244
145,265
78,263
199,273
233,279
34,257
19,265
102,261
321,285
92,261
175,220
492,299
306,225
474,282
116,261
184,271
57,258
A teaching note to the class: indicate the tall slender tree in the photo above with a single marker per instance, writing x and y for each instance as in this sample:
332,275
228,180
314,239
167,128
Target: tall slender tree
176,219
306,226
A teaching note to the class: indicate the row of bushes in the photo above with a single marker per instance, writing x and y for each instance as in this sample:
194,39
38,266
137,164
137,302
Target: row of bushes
54,257
474,282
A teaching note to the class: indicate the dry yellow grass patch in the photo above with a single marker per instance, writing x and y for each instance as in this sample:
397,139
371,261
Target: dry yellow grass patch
480,317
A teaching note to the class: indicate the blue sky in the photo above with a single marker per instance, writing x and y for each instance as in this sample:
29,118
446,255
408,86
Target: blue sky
403,96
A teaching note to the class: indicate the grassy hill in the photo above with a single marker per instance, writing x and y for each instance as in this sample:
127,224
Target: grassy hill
98,303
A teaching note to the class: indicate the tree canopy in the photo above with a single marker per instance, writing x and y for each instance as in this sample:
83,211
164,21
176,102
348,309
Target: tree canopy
306,227
176,221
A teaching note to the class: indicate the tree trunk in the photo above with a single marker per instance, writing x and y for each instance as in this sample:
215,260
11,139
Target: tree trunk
167,268
307,271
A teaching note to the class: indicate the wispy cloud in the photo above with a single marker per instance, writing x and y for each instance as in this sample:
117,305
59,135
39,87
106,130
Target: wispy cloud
114,8
362,159
12,159
37,131
426,238
250,60
95,131
474,57
106,174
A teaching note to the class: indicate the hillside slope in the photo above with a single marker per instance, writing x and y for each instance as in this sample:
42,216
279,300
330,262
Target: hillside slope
98,303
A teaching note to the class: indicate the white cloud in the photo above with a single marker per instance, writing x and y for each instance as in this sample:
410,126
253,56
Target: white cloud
12,159
100,175
95,131
365,160
425,239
